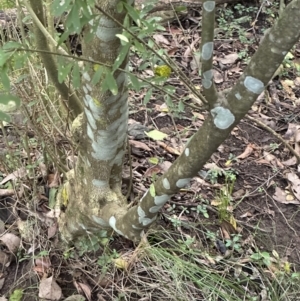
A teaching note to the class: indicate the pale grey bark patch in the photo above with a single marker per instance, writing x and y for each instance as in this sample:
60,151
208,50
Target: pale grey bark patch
112,223
207,79
253,85
107,30
209,6
166,183
183,182
154,209
161,199
238,96
207,50
90,118
187,152
223,118
99,221
99,183
86,76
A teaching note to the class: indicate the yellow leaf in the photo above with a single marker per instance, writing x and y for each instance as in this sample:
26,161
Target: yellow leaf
215,203
287,267
156,135
121,263
153,160
228,162
163,70
232,221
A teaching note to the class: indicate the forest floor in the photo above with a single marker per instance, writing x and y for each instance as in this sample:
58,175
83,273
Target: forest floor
241,215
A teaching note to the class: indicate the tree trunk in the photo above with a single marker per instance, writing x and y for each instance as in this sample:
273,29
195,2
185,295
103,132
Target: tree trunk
92,193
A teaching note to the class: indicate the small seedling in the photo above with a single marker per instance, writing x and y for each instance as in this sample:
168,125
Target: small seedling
234,243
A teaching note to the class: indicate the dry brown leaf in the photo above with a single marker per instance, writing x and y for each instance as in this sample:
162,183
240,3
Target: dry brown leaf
286,84
152,171
43,262
246,214
229,58
83,288
139,144
6,192
49,289
160,39
239,193
54,179
11,241
247,152
272,159
5,258
218,77
292,132
168,148
19,173
282,197
290,162
295,181
52,230
164,166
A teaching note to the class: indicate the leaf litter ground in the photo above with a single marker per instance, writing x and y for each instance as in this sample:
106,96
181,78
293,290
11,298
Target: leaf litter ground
264,204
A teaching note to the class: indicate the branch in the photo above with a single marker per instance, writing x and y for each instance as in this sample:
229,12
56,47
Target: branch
42,36
267,128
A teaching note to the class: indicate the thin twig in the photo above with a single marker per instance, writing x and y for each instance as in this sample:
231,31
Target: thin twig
267,128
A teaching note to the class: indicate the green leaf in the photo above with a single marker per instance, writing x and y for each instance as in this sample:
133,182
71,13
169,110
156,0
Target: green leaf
133,13
59,7
98,74
74,19
5,80
121,57
76,76
153,160
11,45
156,135
147,96
16,295
152,190
136,84
122,38
63,71
111,83
6,98
52,199
181,106
4,56
4,117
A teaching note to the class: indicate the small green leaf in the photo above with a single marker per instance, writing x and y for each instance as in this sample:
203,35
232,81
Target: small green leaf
152,190
133,13
4,56
153,160
136,84
5,80
59,7
52,199
122,38
6,98
76,80
147,96
98,74
156,135
16,295
111,83
121,57
63,72
120,6
11,45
